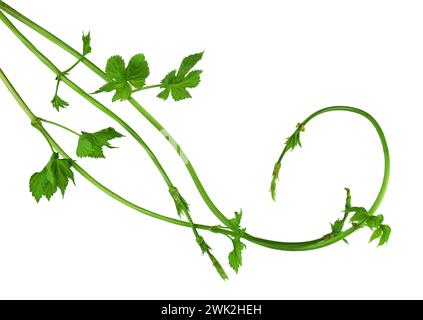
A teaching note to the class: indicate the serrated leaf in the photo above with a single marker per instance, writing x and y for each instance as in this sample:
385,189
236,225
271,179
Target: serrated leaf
360,214
188,63
386,233
176,82
124,79
376,234
236,222
374,221
235,256
137,71
60,172
55,175
91,144
295,139
86,41
58,103
337,227
115,68
40,186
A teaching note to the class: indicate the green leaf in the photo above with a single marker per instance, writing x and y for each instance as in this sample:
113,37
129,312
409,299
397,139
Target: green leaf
236,222
59,103
178,81
86,41
294,140
182,206
60,172
40,186
360,214
55,175
123,79
235,256
137,71
386,233
374,221
115,68
337,227
376,234
91,144
188,63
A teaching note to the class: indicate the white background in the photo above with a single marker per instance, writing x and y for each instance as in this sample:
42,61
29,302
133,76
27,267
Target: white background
267,66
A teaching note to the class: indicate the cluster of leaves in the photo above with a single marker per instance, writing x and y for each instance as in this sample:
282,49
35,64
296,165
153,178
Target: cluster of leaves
235,256
338,225
91,144
55,175
362,217
57,102
124,80
375,223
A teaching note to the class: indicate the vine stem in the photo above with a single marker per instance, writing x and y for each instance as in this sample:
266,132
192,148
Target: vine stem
62,77
54,39
289,246
36,122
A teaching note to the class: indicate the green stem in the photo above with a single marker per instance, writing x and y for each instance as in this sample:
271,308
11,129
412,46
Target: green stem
57,87
289,246
73,66
49,36
206,198
60,126
84,94
147,87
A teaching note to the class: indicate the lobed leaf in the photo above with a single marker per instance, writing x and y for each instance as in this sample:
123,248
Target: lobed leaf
91,144
55,175
123,79
176,82
386,233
